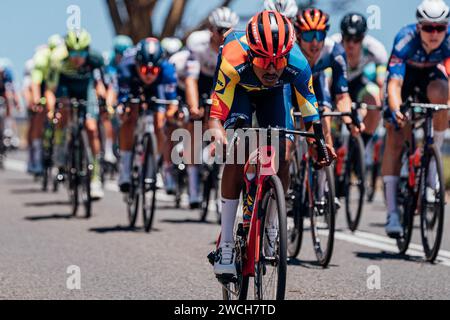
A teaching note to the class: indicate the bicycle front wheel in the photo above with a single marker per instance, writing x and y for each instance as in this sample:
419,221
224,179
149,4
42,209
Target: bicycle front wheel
322,212
432,205
271,265
355,176
149,184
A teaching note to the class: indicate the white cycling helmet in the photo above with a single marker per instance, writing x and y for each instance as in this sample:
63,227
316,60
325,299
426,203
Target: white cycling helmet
287,7
171,45
433,11
223,18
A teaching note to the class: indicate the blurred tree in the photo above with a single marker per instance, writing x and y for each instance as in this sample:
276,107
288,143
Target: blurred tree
133,17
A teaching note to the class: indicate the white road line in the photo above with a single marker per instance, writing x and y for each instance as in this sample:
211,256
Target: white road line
360,238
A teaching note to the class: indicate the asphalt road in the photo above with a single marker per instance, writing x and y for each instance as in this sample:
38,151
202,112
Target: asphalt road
39,242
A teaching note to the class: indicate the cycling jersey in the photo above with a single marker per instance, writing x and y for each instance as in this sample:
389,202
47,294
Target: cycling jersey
180,61
45,60
408,51
238,90
79,83
130,83
333,56
203,59
373,53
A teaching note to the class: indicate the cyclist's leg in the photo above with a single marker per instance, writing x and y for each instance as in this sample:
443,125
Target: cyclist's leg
126,141
437,92
165,145
370,94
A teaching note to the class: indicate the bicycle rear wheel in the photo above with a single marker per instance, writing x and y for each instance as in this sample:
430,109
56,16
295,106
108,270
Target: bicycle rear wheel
355,176
271,265
322,212
432,213
149,170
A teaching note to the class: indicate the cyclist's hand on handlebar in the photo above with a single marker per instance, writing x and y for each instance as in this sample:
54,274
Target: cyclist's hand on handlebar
321,163
400,118
196,113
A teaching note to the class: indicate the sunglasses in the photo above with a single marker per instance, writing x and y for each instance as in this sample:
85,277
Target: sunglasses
78,54
429,28
309,36
146,70
264,63
353,39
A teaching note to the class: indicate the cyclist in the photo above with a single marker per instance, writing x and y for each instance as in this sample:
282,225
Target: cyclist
199,80
323,53
121,44
39,73
416,65
77,76
146,71
253,69
9,97
367,59
289,8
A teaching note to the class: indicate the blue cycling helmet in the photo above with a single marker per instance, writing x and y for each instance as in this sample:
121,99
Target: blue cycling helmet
149,52
121,44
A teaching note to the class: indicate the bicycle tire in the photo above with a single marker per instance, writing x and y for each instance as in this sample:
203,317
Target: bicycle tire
324,256
356,152
133,196
86,166
149,204
432,249
274,190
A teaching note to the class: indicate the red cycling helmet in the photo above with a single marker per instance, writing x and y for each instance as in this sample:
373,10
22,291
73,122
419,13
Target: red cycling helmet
270,34
312,19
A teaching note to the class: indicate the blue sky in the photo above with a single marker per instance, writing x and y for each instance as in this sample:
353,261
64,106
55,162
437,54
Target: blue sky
26,24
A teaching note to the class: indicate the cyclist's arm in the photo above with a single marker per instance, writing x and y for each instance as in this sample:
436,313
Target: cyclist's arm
191,82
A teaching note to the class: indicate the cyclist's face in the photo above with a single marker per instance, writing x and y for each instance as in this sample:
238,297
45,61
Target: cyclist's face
147,78
432,35
269,77
352,47
311,49
77,62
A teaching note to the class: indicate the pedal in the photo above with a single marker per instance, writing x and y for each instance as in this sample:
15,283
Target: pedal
226,279
212,257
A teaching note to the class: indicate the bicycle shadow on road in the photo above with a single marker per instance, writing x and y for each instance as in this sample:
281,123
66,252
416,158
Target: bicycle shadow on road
313,264
47,204
388,256
188,221
26,191
120,229
54,216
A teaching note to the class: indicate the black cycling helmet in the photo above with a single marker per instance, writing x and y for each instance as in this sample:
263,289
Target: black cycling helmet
149,53
354,25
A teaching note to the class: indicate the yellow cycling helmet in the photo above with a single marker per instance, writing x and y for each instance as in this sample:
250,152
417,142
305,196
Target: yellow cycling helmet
78,40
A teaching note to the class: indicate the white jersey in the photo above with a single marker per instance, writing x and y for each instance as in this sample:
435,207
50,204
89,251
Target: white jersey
202,55
373,52
180,61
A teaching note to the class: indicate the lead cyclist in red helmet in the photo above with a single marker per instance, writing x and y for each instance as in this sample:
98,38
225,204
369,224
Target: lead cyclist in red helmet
253,71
